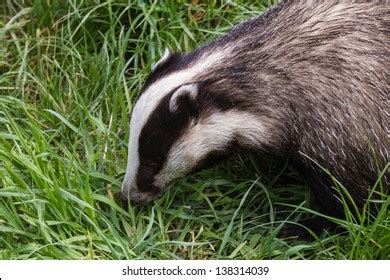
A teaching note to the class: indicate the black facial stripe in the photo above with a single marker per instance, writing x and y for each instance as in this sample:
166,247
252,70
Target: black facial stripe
156,139
219,97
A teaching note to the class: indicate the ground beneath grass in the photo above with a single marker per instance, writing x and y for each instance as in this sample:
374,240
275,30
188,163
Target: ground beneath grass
69,74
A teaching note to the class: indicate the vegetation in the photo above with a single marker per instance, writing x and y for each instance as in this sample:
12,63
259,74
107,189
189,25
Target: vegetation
69,74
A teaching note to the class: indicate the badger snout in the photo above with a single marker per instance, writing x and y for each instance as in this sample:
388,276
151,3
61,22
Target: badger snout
138,195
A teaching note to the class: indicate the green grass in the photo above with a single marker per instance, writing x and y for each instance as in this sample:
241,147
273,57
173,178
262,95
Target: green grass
65,99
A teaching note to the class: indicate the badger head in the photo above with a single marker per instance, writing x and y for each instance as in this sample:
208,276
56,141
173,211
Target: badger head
177,123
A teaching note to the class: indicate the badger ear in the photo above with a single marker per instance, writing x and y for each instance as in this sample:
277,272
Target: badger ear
165,56
184,99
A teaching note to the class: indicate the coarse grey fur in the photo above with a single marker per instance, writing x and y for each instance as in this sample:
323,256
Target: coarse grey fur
314,78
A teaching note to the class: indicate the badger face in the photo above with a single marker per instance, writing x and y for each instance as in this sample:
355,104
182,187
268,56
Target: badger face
175,125
151,142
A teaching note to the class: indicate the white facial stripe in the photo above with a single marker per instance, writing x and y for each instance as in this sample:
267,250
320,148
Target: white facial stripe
212,134
132,157
151,98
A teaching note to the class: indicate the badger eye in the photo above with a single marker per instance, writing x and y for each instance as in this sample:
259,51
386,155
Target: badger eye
149,164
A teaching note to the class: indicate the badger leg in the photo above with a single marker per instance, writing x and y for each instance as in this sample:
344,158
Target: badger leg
305,227
331,200
324,199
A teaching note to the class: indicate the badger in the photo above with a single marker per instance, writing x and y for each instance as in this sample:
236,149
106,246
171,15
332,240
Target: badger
306,80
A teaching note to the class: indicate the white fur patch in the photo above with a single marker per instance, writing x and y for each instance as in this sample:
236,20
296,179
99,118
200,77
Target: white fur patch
212,134
149,100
